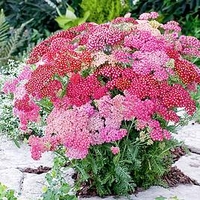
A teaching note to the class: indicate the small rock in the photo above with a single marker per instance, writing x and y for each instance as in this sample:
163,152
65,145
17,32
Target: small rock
190,135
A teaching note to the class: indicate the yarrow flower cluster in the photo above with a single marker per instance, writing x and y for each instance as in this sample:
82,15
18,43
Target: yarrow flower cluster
99,78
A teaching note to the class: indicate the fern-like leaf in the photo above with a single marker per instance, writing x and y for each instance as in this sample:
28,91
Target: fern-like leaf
124,180
15,40
4,29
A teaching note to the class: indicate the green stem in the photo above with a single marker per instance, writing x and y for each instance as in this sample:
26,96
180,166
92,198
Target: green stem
127,137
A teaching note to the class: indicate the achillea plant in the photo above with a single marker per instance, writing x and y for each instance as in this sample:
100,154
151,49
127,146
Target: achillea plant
112,92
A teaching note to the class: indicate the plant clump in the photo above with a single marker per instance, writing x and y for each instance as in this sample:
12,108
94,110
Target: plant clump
112,92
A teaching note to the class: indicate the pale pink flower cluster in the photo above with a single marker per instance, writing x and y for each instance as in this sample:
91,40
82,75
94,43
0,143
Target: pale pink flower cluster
190,45
144,25
146,16
144,62
137,39
93,127
171,26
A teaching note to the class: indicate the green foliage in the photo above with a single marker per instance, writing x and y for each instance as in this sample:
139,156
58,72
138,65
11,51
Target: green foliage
10,40
104,172
57,188
4,28
19,12
196,97
104,10
43,12
5,193
9,125
156,160
70,19
191,25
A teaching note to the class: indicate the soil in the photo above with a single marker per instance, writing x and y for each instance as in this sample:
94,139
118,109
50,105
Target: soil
86,191
177,153
175,177
39,170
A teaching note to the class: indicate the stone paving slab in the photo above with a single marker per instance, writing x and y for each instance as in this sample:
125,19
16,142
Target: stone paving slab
190,166
32,186
13,160
190,135
11,178
183,192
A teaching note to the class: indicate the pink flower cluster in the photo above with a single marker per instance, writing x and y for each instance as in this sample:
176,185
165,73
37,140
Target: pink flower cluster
80,127
24,106
143,78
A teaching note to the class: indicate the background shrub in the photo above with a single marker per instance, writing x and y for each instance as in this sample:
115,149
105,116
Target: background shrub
18,12
104,10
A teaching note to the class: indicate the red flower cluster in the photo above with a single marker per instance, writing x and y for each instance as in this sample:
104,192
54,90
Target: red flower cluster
187,71
145,87
176,96
44,46
81,90
41,83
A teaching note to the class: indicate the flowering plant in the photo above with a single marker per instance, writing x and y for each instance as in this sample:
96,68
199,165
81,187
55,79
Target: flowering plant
116,85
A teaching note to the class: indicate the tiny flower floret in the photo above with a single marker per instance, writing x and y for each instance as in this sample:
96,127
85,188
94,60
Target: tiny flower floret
115,150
